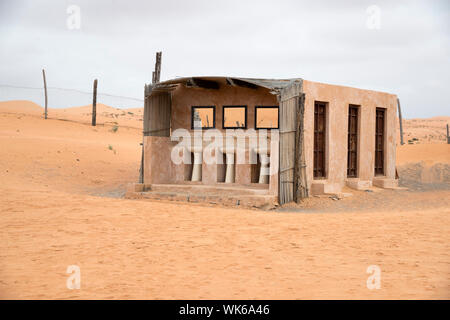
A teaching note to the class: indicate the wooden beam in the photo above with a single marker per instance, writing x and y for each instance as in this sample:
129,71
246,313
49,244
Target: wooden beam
401,122
230,82
300,182
45,93
164,88
156,75
158,66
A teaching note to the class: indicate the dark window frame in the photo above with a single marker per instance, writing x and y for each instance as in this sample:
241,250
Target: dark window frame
230,107
353,172
380,168
266,107
320,171
203,107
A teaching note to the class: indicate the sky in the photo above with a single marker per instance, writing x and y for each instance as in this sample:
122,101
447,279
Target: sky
400,47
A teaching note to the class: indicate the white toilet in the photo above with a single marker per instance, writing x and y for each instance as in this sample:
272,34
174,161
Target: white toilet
197,165
264,155
229,171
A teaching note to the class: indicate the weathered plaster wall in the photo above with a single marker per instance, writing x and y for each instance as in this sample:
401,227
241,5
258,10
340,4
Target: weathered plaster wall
184,98
338,99
158,168
158,165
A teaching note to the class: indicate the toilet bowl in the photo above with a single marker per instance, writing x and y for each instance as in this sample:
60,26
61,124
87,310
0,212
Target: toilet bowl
264,155
197,165
229,171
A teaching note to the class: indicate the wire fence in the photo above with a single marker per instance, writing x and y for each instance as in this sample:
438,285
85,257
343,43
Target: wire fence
66,97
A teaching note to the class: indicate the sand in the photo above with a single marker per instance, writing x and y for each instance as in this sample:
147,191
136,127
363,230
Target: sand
420,131
61,204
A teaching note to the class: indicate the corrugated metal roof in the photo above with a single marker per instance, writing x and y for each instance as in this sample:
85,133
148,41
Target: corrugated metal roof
271,84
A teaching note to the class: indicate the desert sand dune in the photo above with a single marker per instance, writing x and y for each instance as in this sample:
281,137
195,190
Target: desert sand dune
61,205
105,114
420,131
21,107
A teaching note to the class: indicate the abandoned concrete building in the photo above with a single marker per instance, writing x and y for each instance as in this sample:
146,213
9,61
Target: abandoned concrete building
317,139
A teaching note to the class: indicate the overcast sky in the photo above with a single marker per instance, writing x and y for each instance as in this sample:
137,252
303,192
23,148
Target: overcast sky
338,42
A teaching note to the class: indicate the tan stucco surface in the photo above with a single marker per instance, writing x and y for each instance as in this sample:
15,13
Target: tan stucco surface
338,99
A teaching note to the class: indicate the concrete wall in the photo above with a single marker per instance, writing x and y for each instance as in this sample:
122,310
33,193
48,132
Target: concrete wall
338,99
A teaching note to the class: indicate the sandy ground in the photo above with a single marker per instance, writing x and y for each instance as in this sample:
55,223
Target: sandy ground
61,204
420,131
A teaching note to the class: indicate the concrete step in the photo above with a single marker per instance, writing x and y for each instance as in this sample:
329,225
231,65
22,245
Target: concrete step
222,189
245,201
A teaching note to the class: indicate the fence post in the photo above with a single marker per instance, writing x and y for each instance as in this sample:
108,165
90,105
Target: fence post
94,105
401,122
45,92
448,135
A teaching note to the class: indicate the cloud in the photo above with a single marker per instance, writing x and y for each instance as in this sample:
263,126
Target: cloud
325,41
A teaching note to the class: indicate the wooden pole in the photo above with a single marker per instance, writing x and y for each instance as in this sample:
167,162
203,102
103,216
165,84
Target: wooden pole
300,182
45,92
448,135
156,76
158,66
401,121
141,169
94,105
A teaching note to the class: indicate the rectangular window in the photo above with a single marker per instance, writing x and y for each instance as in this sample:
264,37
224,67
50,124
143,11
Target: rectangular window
352,145
266,117
234,117
379,142
319,139
203,117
